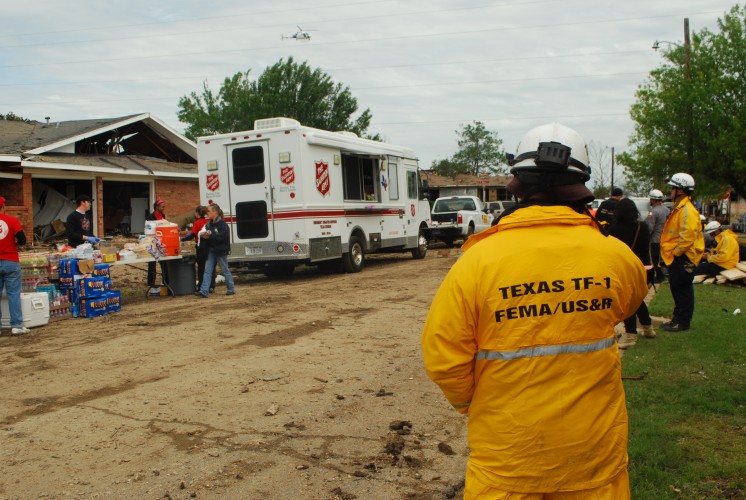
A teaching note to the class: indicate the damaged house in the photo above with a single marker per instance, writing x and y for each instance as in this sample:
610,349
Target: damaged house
124,164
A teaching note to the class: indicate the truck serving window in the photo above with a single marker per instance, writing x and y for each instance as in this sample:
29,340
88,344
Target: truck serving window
360,177
248,165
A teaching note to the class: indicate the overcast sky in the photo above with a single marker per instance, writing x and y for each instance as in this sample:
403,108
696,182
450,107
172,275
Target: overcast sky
423,68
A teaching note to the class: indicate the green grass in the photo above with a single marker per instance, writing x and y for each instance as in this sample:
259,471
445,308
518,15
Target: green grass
687,428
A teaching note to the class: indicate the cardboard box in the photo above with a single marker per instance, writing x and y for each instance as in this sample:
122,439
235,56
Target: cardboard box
71,267
92,286
93,306
101,271
114,301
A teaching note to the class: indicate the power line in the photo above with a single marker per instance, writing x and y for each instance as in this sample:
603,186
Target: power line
435,84
359,40
351,68
265,26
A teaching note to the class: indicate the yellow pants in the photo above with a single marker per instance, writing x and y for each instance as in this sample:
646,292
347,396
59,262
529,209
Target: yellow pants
618,489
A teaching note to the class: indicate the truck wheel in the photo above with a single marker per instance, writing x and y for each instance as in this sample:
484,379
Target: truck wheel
353,260
470,231
420,250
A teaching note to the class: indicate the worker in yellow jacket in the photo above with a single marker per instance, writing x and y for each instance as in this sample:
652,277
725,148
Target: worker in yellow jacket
520,335
682,246
725,254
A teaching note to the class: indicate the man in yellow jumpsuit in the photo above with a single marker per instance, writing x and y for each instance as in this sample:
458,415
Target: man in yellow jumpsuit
725,254
520,336
682,246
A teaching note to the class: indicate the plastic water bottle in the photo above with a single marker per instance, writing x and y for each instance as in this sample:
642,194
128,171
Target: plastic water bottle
75,309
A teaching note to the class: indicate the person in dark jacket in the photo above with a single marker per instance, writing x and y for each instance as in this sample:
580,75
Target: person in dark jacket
605,212
218,241
158,213
628,228
200,221
78,227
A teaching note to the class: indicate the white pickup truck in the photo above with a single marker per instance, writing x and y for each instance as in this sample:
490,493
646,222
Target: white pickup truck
458,217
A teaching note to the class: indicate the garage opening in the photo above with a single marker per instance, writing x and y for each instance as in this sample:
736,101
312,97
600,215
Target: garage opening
125,206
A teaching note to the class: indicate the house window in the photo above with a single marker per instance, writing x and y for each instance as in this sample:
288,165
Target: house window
360,177
248,165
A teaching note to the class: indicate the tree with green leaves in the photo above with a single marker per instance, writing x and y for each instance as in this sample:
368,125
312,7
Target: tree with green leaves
286,89
12,117
480,152
691,116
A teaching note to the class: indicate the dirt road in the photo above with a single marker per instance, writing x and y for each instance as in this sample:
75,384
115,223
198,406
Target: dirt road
307,387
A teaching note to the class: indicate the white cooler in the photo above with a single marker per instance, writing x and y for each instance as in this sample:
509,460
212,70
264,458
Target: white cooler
35,307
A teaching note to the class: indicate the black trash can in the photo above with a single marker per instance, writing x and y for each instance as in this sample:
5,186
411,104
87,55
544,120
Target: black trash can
182,277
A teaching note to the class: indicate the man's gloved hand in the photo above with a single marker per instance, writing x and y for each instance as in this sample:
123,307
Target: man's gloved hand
93,240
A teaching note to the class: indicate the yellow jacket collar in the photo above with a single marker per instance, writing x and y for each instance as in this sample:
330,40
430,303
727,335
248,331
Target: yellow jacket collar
533,216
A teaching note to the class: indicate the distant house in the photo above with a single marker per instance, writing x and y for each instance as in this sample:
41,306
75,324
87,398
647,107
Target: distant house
486,188
123,163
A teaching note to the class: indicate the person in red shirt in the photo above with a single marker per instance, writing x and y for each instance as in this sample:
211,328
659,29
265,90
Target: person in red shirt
158,213
200,214
11,237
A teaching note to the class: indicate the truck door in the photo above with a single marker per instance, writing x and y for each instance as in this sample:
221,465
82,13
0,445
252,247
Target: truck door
251,191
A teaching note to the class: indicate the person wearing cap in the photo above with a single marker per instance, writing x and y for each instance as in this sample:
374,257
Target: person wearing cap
682,246
725,254
11,237
158,213
520,335
656,218
605,212
78,227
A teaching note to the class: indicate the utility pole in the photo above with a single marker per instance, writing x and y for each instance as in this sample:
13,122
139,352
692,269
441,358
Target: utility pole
690,112
612,170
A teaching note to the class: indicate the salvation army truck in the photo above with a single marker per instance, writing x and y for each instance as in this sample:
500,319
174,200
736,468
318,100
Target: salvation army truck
297,195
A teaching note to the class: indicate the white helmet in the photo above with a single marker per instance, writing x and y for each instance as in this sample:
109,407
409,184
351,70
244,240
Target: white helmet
551,154
682,181
712,227
656,194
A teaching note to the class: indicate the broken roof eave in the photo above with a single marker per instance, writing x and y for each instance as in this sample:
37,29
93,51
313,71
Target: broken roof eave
180,141
107,170
10,158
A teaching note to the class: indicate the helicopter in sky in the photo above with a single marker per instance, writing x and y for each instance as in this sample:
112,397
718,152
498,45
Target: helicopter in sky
301,34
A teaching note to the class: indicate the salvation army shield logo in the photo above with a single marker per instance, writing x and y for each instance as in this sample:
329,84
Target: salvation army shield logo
322,177
213,182
287,175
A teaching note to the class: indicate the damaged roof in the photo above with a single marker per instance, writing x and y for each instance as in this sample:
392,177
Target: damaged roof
140,135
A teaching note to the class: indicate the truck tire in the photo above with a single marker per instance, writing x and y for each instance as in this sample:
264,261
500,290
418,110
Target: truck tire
469,231
354,259
420,250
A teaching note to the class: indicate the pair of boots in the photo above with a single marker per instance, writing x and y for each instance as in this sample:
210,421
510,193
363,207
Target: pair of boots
630,339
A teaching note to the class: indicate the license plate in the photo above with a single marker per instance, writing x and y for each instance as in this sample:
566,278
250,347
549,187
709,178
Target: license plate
253,250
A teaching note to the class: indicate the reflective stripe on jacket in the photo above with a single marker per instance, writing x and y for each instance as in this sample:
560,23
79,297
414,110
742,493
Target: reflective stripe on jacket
682,234
520,336
726,252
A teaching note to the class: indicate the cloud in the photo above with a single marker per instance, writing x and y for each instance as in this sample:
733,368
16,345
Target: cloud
423,68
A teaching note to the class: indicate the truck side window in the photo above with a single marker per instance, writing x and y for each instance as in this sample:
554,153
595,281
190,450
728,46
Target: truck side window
412,180
393,181
248,165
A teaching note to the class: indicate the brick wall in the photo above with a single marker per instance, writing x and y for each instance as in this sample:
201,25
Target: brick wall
19,202
181,197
